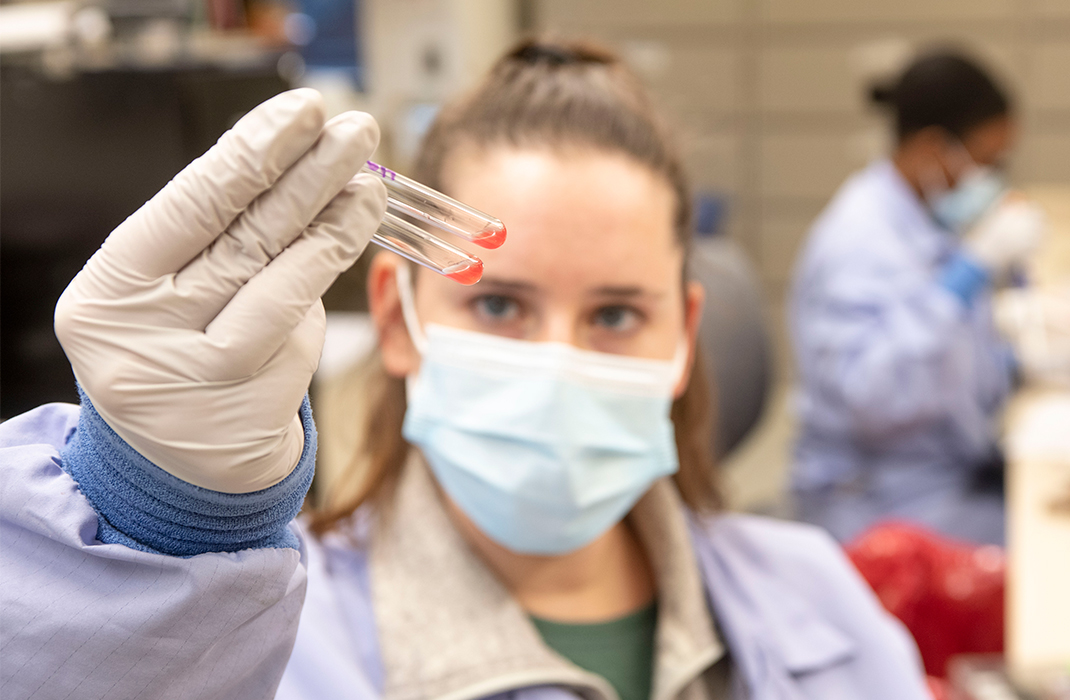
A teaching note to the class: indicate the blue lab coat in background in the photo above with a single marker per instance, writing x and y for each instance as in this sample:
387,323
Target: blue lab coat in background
900,380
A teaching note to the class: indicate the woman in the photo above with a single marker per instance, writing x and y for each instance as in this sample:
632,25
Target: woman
901,372
534,514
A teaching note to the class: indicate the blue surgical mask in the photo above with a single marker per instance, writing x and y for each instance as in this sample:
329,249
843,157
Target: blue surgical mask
542,445
958,208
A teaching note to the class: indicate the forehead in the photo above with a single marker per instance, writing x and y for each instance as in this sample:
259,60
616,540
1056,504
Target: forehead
573,216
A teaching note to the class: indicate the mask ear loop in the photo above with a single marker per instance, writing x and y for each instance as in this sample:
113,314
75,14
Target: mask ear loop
934,185
679,360
965,158
940,184
403,276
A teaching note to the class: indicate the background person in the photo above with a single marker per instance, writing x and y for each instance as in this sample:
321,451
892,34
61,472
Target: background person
901,371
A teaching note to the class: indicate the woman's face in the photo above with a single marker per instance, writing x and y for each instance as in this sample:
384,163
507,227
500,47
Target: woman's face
591,260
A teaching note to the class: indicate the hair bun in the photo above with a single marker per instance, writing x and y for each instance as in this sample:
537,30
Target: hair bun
534,52
545,53
882,94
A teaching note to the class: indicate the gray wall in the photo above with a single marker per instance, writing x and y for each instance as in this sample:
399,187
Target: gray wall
768,94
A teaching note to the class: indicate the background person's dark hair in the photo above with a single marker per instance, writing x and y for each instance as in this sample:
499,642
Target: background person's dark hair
944,89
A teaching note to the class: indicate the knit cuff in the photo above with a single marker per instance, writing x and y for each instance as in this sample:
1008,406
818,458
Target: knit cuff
143,507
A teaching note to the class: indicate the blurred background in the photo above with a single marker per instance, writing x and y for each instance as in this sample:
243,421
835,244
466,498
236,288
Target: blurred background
103,101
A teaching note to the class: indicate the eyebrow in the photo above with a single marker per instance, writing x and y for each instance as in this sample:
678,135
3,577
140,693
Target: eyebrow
622,291
508,284
605,291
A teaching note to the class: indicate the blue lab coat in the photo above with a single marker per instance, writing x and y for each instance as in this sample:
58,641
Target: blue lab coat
900,380
88,619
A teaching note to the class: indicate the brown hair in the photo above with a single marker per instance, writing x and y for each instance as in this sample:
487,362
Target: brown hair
539,95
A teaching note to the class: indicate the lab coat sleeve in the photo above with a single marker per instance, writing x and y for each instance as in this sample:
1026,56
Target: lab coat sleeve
91,607
878,335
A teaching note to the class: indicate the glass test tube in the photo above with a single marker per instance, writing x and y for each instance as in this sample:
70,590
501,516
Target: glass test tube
424,249
410,198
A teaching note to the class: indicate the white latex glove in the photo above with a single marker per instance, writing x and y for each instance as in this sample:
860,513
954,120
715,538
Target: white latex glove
196,327
1037,323
1006,236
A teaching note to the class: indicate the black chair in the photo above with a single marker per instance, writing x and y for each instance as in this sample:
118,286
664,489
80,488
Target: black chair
733,334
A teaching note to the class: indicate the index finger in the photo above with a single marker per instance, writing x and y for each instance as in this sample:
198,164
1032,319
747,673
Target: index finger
189,213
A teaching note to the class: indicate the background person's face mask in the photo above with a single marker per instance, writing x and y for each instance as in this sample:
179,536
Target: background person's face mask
959,207
542,445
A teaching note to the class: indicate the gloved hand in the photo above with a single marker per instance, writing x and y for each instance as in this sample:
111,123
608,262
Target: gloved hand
1007,235
196,327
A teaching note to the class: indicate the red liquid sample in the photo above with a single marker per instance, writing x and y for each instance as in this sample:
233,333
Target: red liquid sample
491,239
469,274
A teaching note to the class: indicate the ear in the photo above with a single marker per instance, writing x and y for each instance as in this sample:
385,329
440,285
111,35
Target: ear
934,148
694,301
920,159
400,357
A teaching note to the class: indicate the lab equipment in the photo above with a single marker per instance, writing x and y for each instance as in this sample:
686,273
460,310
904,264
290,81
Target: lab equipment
408,198
422,202
411,242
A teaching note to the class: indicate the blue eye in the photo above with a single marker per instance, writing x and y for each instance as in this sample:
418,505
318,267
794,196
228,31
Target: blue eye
617,318
497,308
